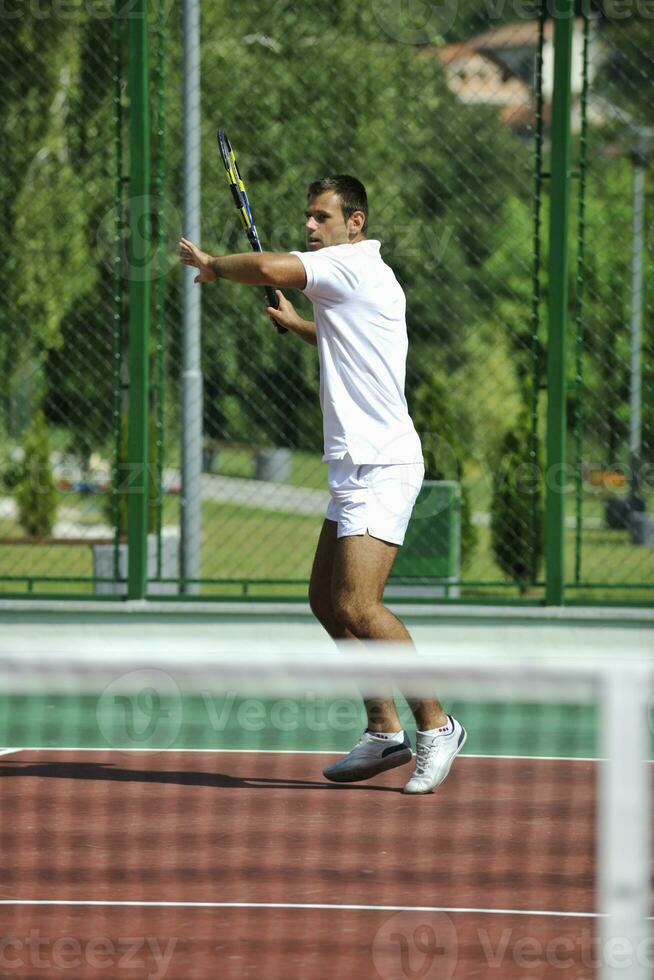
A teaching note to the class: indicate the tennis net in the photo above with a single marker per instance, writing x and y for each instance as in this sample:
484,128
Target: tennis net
164,814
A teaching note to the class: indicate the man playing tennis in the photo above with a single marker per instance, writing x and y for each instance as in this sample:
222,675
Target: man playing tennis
370,445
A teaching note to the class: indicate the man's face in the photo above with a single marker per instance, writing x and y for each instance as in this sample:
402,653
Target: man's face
325,223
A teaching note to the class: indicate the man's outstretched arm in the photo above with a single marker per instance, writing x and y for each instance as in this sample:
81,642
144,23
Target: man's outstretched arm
252,269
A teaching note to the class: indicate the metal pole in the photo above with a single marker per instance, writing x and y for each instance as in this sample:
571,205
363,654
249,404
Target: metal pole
535,544
118,291
159,389
635,386
558,304
191,491
580,283
140,273
624,843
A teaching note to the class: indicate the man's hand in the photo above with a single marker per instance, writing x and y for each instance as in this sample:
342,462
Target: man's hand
287,316
191,255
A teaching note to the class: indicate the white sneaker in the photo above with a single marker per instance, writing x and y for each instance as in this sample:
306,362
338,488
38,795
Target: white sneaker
370,756
434,757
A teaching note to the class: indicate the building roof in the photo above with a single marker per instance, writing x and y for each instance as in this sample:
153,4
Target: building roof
454,51
518,35
465,51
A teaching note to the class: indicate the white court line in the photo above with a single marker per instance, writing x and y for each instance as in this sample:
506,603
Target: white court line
254,751
9,751
300,906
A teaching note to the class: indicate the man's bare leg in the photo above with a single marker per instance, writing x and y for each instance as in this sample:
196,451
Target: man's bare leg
361,566
320,584
382,713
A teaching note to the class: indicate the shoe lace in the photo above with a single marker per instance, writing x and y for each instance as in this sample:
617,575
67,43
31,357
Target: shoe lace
424,751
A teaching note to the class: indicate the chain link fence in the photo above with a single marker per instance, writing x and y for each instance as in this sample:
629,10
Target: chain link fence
350,90
611,339
444,112
61,323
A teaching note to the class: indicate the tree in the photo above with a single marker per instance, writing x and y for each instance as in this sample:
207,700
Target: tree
441,447
602,399
79,378
36,494
517,506
437,173
627,63
42,194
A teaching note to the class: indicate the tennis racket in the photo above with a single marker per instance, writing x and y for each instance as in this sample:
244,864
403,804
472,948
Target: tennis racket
244,208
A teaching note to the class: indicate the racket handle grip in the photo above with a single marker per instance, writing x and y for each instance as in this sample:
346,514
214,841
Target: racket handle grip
271,296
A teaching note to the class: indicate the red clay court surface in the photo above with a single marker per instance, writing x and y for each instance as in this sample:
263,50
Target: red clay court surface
452,885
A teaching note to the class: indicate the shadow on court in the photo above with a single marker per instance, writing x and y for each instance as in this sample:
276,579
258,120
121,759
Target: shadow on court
110,773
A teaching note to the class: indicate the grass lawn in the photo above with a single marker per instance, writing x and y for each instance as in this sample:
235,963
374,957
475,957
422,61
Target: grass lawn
240,542
307,469
245,543
55,560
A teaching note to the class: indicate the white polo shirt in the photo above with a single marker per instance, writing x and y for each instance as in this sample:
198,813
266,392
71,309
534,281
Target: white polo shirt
360,313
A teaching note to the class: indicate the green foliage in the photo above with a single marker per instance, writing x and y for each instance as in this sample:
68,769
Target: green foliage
627,66
43,190
437,175
304,90
602,403
437,197
441,448
11,470
36,494
517,506
79,387
510,273
624,84
466,18
607,312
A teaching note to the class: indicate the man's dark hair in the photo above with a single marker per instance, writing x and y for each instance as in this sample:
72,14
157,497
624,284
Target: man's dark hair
351,192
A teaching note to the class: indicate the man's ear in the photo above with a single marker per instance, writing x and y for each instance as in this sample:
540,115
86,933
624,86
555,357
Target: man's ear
356,223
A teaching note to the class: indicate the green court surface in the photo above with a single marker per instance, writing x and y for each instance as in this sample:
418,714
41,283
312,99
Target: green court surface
213,721
163,712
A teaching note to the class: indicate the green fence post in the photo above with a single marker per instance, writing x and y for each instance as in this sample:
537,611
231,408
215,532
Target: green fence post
558,304
139,265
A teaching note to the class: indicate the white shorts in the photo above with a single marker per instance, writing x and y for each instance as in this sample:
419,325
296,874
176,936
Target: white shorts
373,498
